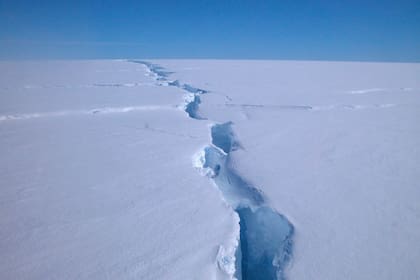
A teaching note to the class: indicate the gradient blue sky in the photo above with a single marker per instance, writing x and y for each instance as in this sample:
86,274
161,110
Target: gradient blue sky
300,29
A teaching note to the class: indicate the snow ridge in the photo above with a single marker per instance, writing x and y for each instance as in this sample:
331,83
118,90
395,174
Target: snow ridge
265,236
102,110
192,98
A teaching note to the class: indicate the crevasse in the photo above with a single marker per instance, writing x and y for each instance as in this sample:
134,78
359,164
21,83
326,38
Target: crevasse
266,243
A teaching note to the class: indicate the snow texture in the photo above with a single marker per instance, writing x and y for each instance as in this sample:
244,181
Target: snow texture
339,159
96,178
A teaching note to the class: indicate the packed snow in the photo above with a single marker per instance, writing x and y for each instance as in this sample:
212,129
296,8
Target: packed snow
206,169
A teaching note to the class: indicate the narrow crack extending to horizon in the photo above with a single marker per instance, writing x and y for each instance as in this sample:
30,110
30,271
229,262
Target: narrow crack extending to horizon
265,236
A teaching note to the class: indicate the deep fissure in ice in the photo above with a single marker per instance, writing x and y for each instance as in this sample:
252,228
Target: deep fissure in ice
265,235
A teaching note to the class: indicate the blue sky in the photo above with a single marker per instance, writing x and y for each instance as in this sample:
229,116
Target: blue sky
304,30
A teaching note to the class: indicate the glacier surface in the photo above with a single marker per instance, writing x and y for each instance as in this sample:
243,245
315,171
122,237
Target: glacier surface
311,170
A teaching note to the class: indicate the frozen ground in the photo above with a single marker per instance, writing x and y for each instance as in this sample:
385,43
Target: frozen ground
310,170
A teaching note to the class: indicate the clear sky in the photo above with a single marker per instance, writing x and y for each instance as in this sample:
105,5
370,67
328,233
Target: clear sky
274,29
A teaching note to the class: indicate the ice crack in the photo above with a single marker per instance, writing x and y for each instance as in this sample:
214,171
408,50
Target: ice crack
265,236
192,98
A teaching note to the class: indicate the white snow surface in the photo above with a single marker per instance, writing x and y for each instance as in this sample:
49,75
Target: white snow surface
97,179
103,196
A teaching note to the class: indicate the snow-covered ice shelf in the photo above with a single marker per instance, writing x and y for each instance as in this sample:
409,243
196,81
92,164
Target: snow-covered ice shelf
312,170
